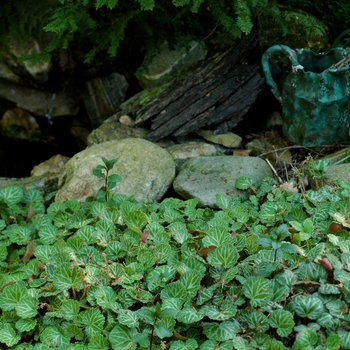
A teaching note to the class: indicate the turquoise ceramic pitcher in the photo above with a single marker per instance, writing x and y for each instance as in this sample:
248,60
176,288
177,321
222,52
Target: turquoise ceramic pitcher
315,95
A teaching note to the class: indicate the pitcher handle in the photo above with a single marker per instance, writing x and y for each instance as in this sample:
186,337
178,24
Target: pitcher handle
266,67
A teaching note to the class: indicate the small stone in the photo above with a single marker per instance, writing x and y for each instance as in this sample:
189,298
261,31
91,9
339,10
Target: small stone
229,139
18,124
53,165
185,151
112,129
263,145
126,120
273,120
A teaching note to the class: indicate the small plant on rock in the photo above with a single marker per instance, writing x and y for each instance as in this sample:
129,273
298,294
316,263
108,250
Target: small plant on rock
110,181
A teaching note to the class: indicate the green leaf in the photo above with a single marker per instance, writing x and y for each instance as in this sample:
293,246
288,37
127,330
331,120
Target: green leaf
221,331
104,297
27,307
99,171
216,236
189,344
70,309
93,322
8,334
179,231
223,201
214,345
45,253
261,341
3,252
99,342
243,183
11,194
66,277
21,235
205,294
283,321
191,281
189,315
171,307
225,311
224,256
308,306
258,290
54,337
344,339
307,339
109,163
240,343
48,234
25,325
121,338
174,290
164,327
333,342
11,296
159,277
256,321
128,318
162,252
113,180
137,220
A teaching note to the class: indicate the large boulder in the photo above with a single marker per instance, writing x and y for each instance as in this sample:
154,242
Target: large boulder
206,176
147,170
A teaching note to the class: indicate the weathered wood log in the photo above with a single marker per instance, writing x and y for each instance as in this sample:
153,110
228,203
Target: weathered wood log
219,95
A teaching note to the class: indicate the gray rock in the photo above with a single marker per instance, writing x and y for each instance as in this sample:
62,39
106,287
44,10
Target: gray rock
112,129
269,147
183,152
44,176
228,139
18,124
6,73
168,62
146,169
103,97
54,165
204,177
11,53
45,183
337,172
39,102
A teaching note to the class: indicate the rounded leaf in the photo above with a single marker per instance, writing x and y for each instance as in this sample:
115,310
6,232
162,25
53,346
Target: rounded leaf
283,321
259,290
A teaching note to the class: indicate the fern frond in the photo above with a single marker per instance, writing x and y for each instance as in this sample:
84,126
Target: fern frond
224,19
147,5
181,2
244,16
111,4
195,6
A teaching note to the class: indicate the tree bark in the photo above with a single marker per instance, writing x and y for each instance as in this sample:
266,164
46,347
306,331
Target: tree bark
218,96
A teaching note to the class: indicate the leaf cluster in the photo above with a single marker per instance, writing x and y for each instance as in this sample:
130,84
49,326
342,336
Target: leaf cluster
267,271
114,26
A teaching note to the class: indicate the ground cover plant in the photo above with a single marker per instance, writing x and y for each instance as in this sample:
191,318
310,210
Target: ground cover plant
270,270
